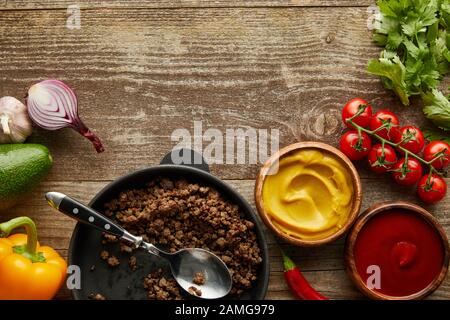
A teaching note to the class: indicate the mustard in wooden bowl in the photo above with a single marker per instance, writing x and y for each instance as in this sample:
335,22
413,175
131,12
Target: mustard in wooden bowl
311,196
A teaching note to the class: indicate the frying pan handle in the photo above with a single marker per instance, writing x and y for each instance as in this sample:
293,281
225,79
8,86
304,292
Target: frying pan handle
186,157
78,211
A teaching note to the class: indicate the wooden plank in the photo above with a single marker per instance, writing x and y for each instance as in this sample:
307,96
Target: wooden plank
147,4
323,266
141,75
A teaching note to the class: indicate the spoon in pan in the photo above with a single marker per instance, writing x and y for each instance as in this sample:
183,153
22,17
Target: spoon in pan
184,264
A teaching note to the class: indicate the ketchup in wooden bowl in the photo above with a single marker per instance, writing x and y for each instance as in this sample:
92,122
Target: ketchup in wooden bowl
397,251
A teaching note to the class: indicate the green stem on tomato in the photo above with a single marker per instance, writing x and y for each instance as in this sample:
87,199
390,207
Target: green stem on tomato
396,145
359,145
405,169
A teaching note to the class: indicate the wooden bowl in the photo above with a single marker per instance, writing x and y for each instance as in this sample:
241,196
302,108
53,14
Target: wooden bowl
292,148
359,224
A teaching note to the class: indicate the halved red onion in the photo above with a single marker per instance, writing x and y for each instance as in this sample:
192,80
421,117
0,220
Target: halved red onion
53,105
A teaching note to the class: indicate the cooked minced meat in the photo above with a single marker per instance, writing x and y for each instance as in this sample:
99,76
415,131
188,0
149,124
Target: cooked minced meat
113,261
104,255
195,291
178,214
109,238
161,288
199,278
132,263
96,296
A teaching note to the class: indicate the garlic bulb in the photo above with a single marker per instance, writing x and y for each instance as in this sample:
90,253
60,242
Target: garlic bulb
15,125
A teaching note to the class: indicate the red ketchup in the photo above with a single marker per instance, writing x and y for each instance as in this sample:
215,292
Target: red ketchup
406,248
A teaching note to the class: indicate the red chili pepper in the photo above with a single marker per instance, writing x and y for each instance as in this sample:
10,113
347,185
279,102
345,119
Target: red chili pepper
297,282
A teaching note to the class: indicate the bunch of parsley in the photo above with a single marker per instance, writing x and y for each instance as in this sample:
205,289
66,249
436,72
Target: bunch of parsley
417,53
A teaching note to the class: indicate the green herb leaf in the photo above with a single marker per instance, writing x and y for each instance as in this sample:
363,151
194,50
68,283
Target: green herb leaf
433,31
422,15
417,52
392,9
421,71
433,134
437,109
441,52
393,72
445,14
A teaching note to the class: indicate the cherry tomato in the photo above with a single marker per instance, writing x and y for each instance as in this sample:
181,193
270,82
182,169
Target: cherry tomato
352,107
354,147
409,174
433,149
432,190
413,139
391,133
380,160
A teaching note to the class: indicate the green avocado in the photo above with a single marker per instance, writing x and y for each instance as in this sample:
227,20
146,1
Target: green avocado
22,168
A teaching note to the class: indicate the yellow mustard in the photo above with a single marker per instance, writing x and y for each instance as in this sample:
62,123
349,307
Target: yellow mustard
310,196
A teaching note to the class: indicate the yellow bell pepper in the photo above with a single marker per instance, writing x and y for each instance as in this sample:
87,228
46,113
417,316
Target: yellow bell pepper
28,271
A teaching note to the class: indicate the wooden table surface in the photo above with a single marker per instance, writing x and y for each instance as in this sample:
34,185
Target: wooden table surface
145,68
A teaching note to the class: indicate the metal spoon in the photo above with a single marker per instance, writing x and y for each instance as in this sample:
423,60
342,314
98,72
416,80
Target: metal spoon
184,263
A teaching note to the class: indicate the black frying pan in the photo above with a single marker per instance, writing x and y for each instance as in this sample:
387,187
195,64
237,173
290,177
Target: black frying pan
124,284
